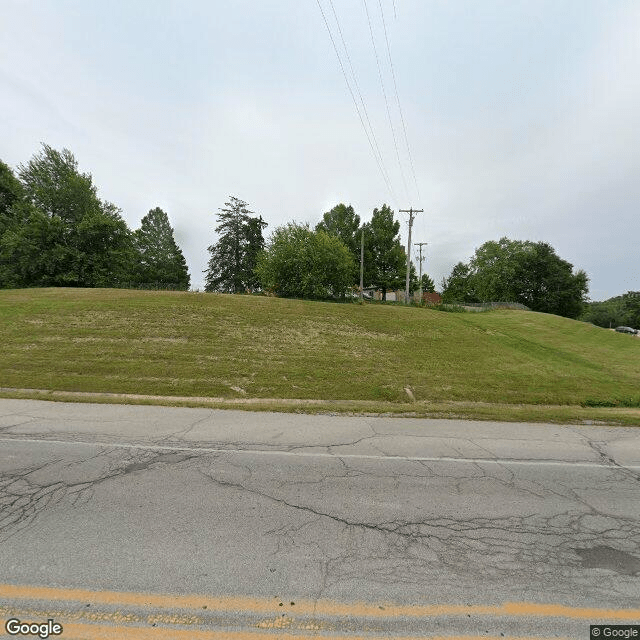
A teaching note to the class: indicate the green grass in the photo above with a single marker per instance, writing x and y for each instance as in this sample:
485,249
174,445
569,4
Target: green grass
194,345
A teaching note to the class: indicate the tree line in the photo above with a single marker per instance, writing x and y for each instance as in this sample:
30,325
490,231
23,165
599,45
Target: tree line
56,232
619,311
299,261
324,263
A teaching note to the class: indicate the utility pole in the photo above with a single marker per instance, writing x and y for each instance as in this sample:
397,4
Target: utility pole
419,244
361,263
410,211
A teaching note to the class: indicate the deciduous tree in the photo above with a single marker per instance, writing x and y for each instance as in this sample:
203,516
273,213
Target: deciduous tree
301,263
621,310
632,310
343,223
11,193
61,233
458,287
385,258
519,271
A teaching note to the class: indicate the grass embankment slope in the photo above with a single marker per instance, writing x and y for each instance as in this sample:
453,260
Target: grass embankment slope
259,352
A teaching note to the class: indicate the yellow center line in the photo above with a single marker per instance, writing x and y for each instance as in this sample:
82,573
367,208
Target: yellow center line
308,607
91,632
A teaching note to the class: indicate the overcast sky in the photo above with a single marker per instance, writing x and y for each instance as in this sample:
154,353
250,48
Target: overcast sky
522,116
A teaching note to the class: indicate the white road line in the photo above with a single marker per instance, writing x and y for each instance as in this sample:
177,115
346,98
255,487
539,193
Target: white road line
337,456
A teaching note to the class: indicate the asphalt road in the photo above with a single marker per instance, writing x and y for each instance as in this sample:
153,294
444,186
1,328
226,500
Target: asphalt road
152,522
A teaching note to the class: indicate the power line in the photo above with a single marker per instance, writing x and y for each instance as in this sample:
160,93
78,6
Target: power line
386,101
357,86
360,106
335,48
395,86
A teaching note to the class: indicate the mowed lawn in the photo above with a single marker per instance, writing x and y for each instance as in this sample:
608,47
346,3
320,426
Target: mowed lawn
213,345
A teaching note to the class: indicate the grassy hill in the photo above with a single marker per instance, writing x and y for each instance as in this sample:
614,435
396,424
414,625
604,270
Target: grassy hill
499,364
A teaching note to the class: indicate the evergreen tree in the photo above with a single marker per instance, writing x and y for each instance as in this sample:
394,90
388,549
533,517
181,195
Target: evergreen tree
254,246
161,261
428,285
231,268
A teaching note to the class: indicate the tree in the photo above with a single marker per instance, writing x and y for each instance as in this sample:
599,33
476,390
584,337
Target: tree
233,259
301,263
545,282
54,185
621,310
458,287
23,262
385,258
254,246
608,313
495,270
161,261
61,233
343,223
11,208
529,273
428,285
631,302
105,248
519,271
11,193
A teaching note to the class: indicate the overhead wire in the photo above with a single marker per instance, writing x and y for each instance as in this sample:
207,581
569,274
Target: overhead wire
386,101
360,106
357,86
404,128
378,159
395,86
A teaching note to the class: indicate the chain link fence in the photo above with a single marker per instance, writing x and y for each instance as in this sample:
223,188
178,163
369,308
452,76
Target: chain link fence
481,306
150,286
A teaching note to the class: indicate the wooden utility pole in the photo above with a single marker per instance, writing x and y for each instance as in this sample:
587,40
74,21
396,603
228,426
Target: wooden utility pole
361,263
419,244
410,211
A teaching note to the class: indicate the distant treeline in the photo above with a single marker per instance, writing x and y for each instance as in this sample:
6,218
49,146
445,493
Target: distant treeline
621,311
